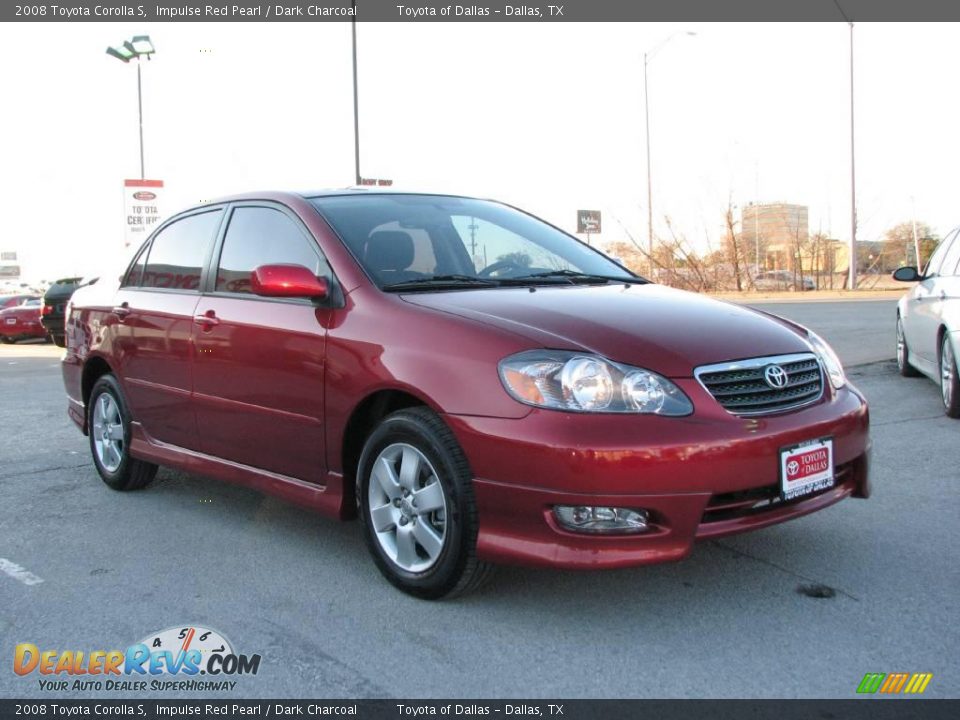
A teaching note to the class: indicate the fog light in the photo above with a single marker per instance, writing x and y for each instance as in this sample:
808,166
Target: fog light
599,519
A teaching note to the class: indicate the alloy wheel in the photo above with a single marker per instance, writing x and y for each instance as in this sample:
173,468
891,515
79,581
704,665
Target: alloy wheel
107,432
947,369
901,345
408,507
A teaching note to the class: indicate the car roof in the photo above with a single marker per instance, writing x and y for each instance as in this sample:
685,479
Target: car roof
284,195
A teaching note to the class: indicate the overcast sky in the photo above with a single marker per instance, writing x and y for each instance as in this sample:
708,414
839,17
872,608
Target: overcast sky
545,116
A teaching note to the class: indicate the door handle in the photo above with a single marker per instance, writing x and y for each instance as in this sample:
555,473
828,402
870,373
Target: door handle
121,311
208,319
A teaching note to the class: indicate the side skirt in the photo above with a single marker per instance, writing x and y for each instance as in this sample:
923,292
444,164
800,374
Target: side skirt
326,499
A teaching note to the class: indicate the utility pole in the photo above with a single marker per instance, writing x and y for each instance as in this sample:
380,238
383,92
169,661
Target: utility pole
853,180
646,112
647,57
916,240
356,106
756,212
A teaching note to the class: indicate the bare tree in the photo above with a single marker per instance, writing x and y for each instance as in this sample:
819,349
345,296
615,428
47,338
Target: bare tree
898,248
734,246
675,261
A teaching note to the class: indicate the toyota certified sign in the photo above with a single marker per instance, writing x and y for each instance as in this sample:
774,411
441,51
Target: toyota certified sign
141,208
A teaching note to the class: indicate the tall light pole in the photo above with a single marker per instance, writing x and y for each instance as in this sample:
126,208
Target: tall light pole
356,105
647,57
140,46
853,180
852,280
916,240
756,215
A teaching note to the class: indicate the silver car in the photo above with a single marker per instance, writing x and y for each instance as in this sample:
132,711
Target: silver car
782,280
928,321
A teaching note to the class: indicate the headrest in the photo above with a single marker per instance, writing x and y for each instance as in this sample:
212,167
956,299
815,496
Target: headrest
389,250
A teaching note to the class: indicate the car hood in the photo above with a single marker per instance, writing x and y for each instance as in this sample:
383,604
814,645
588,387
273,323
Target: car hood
665,330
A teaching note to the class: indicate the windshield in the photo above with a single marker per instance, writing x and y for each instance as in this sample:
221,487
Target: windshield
409,240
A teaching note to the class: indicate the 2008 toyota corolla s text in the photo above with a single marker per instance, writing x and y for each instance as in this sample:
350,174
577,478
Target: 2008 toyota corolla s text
478,386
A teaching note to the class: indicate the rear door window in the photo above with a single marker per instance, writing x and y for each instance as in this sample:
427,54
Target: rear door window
177,253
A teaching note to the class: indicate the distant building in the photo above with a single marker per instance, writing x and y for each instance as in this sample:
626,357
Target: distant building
777,229
9,267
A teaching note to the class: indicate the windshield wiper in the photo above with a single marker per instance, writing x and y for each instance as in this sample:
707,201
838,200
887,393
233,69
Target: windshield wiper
441,281
575,275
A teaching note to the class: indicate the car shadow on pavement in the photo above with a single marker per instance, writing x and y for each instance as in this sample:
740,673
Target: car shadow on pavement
731,569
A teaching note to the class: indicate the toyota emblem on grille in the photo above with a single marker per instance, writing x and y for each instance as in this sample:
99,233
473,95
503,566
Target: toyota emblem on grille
775,376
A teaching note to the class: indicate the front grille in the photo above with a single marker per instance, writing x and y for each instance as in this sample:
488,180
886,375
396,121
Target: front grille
742,503
742,389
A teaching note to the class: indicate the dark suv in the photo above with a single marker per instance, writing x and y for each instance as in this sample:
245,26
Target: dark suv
54,306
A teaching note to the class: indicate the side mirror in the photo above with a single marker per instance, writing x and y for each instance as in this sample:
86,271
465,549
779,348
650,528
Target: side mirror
907,274
290,281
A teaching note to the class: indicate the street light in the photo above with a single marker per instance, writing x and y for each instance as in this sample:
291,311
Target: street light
852,265
647,57
356,101
139,46
853,179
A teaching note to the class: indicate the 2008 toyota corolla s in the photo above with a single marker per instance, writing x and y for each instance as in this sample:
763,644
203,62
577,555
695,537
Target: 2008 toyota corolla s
477,385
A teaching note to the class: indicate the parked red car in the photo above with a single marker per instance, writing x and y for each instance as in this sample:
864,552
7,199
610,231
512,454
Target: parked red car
478,386
10,301
21,322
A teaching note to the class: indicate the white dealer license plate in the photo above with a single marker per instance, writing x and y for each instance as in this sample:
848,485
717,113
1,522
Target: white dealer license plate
806,468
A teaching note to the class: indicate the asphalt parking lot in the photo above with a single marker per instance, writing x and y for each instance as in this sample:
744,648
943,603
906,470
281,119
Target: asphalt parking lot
736,619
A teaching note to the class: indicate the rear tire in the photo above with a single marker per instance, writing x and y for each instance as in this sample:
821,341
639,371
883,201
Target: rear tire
949,380
903,353
108,428
415,491
59,340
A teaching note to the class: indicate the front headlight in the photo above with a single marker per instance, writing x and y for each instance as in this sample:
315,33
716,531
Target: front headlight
579,382
828,357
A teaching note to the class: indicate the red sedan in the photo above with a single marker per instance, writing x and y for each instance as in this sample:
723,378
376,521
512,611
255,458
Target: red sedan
22,322
476,385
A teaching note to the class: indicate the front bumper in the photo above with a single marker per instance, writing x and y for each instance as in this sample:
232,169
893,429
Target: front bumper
708,475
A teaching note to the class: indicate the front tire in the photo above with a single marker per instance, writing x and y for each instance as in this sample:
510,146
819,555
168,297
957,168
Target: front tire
108,424
949,380
903,353
59,340
415,492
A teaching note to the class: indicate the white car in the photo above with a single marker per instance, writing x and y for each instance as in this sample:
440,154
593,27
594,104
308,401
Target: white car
928,321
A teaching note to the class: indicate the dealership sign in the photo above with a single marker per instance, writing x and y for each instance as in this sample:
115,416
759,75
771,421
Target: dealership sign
588,222
141,207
